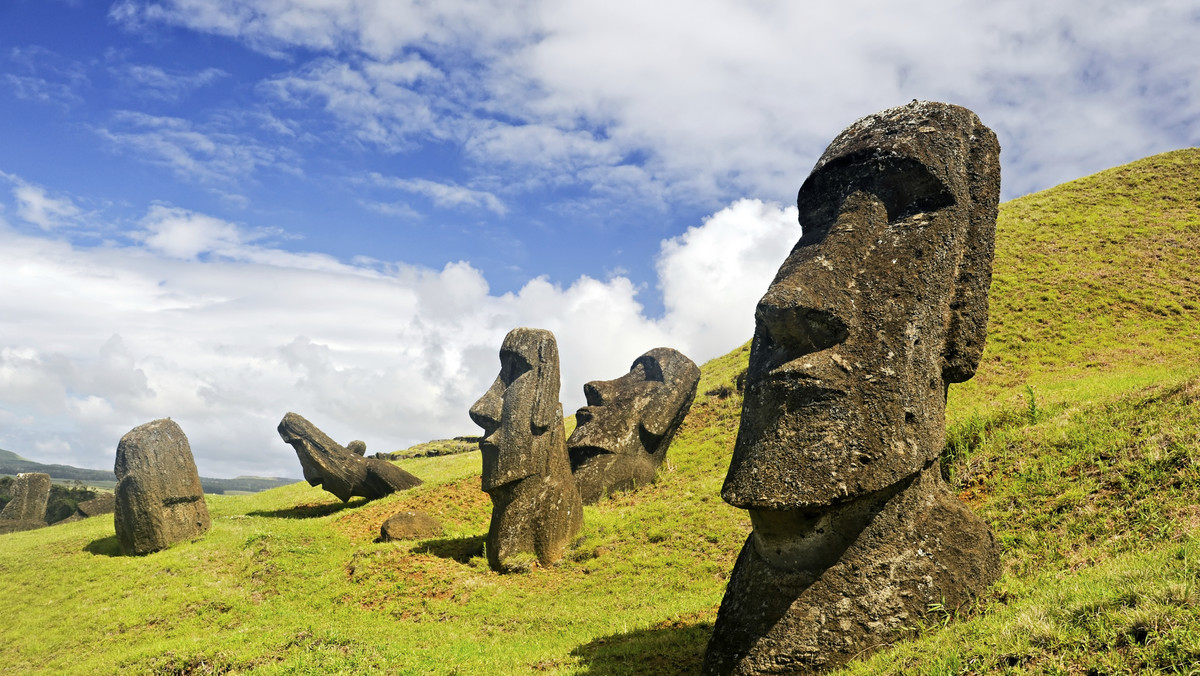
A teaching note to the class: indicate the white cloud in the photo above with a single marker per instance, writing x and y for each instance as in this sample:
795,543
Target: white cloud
43,210
713,275
178,233
205,322
153,82
739,98
200,155
443,194
45,76
376,102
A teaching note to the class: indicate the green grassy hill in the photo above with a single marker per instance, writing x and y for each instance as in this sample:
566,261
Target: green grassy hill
1079,442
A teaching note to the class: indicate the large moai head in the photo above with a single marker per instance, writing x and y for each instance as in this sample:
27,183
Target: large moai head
535,502
880,305
877,309
520,410
622,435
159,499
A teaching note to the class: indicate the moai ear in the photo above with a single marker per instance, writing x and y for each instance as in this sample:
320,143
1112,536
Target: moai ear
545,403
967,326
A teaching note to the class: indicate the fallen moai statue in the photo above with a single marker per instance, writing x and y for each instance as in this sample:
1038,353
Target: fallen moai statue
535,503
158,498
27,509
622,435
335,468
879,307
103,503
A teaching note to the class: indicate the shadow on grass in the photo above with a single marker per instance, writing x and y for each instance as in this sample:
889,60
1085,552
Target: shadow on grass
662,650
311,511
108,546
459,549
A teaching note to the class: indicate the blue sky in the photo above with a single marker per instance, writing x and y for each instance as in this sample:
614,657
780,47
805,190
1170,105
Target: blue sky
222,210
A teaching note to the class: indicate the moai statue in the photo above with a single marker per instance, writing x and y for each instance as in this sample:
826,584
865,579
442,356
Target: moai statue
27,509
159,500
622,435
535,504
341,470
878,308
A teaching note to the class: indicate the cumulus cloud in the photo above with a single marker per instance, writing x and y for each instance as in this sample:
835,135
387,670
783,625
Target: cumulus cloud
203,320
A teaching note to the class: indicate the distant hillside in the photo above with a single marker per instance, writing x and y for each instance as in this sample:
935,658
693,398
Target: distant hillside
1097,276
11,463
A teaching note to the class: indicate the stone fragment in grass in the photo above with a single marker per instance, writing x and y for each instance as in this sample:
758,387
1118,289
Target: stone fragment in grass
622,435
103,503
158,498
536,509
339,470
27,508
879,307
409,525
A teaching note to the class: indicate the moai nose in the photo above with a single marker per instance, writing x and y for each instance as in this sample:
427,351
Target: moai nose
794,325
488,411
598,392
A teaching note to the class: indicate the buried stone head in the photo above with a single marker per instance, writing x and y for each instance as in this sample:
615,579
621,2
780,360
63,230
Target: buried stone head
878,308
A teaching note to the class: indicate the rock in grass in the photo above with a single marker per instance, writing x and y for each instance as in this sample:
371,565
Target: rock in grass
536,508
409,525
340,471
879,307
27,509
622,435
158,499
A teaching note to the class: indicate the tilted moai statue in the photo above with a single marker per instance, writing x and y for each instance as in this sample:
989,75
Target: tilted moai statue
159,500
535,502
340,470
878,308
27,509
622,435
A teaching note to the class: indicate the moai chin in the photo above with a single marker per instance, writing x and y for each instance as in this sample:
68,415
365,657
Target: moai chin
878,308
623,434
535,503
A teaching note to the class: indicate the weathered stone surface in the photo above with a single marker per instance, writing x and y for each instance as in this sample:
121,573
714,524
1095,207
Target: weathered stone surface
409,525
30,492
103,503
622,435
536,508
878,308
328,464
18,526
158,499
357,447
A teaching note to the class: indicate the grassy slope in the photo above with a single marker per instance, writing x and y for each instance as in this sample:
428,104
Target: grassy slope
1092,484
